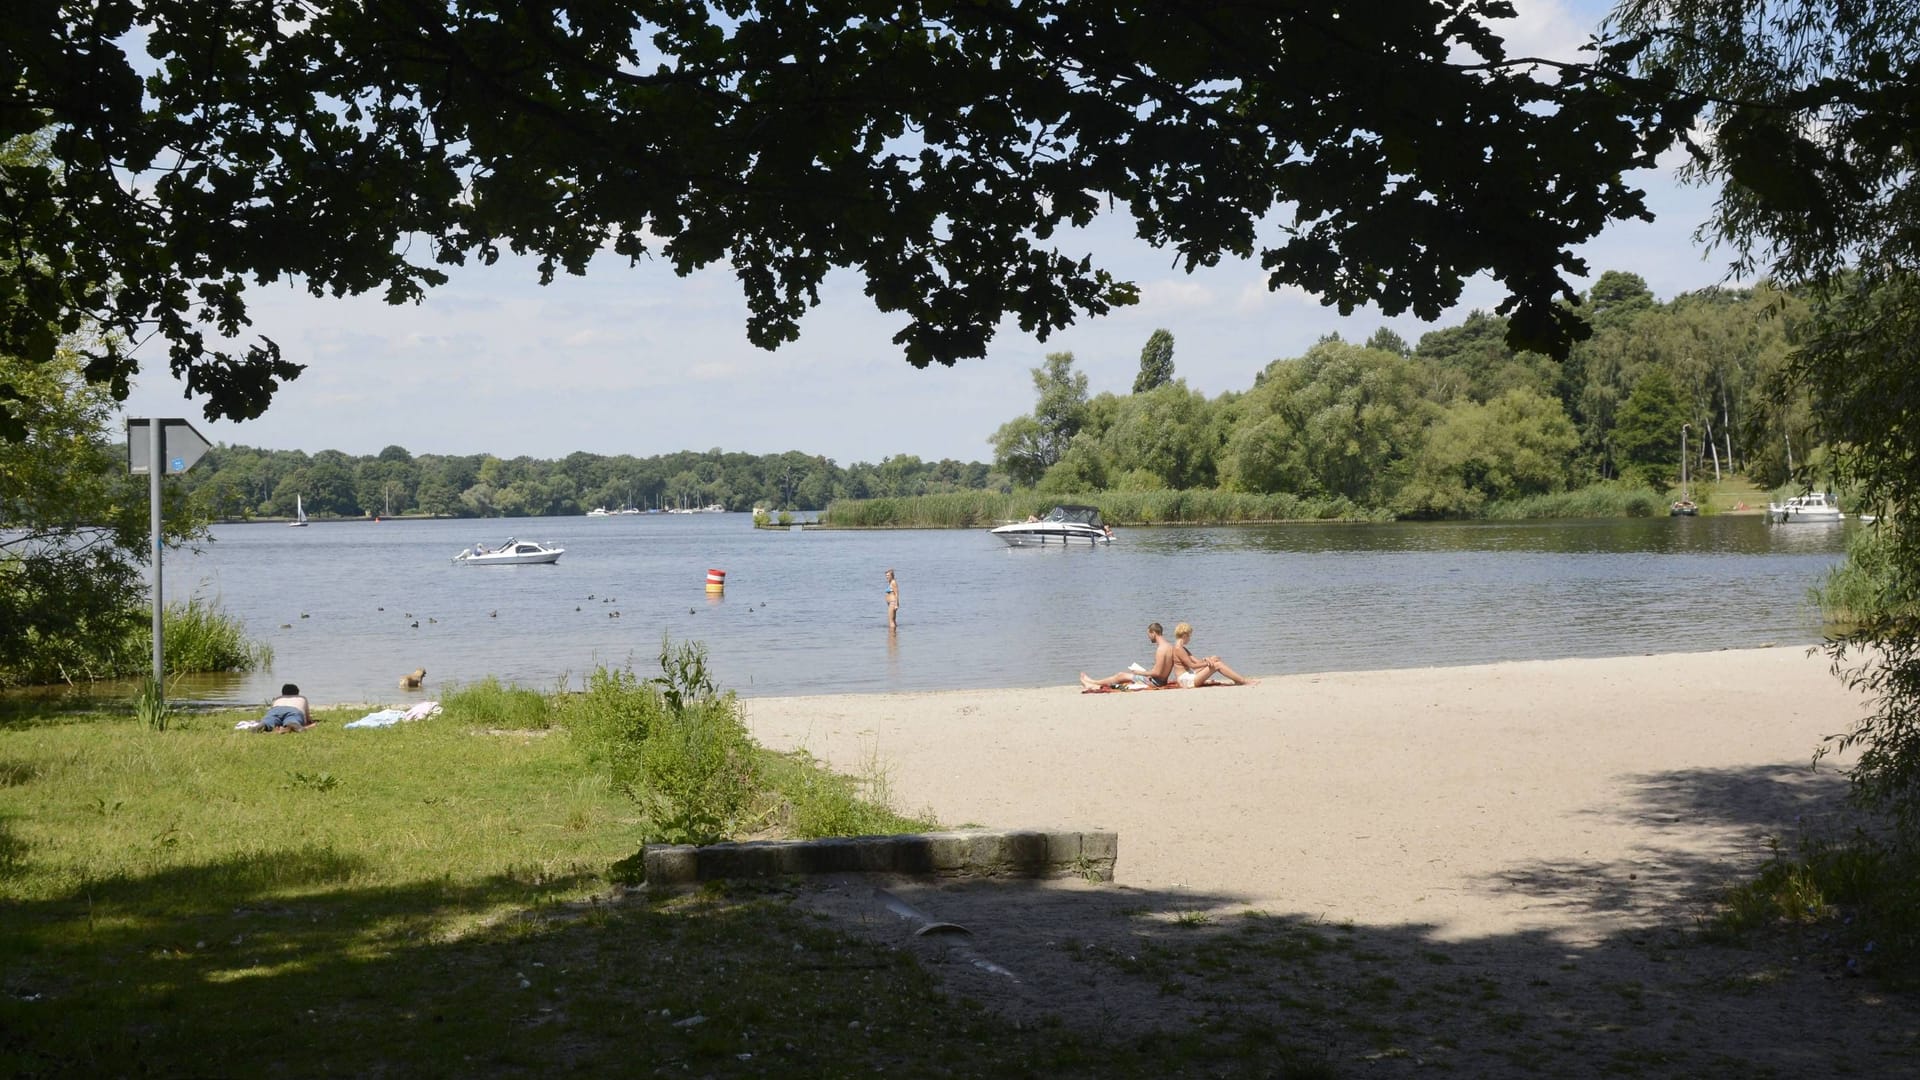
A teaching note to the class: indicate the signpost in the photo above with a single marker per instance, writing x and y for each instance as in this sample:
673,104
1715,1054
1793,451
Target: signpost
176,446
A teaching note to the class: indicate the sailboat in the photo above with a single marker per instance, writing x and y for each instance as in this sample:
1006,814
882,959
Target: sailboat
1684,506
299,515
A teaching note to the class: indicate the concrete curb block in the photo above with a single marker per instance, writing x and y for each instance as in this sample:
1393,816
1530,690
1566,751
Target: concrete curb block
974,853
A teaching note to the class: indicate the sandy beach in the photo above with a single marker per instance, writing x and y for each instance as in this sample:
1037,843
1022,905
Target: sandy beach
1507,870
1574,797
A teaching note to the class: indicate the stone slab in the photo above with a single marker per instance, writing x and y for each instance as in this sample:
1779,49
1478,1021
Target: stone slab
968,853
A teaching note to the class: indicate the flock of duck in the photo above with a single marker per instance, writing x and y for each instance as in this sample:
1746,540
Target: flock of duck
414,622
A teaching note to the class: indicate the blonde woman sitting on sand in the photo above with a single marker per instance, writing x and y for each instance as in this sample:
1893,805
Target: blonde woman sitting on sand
1195,671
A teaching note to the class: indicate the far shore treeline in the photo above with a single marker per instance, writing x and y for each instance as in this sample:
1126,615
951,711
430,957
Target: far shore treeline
1456,426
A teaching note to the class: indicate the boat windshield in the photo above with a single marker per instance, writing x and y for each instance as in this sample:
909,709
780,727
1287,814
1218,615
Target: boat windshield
1076,515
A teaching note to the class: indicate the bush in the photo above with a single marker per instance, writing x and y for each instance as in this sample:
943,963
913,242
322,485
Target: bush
1866,889
610,720
697,774
678,747
490,704
673,743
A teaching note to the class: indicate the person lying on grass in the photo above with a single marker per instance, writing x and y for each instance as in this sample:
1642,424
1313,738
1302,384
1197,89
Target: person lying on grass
288,712
1195,671
1154,677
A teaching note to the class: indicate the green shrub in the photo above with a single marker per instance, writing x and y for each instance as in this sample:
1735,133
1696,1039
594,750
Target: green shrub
673,743
610,719
490,704
1866,889
697,773
678,747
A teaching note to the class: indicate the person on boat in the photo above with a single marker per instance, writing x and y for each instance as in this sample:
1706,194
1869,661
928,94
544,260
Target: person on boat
1196,670
288,712
893,602
1153,678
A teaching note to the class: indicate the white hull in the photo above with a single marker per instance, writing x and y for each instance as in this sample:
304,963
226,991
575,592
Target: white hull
1046,534
1788,515
1813,508
512,553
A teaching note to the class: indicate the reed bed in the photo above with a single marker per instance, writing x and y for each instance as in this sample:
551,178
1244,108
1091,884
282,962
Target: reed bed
201,636
1594,500
985,509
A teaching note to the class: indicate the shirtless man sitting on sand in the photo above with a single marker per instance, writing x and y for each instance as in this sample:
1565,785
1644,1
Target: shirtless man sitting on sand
1157,676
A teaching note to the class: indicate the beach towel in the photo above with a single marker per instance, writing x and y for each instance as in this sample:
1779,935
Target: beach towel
390,717
383,718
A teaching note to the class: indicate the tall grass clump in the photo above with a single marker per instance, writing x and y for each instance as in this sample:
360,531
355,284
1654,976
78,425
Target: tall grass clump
677,746
202,636
674,743
1866,889
1865,585
489,703
1608,499
1194,506
150,704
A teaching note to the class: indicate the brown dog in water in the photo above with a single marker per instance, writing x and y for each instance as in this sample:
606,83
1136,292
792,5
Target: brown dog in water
413,681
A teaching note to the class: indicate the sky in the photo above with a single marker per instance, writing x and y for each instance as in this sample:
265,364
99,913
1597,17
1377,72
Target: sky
639,361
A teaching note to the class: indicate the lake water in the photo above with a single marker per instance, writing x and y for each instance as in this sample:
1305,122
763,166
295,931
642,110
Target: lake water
805,612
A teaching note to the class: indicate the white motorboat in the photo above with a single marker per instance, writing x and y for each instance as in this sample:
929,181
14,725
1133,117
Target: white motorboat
1814,506
512,553
1061,526
599,511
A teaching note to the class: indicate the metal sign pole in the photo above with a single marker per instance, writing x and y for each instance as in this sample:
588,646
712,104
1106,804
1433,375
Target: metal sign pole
187,446
155,468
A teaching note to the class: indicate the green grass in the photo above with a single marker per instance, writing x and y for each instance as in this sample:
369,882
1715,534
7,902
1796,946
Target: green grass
985,509
200,900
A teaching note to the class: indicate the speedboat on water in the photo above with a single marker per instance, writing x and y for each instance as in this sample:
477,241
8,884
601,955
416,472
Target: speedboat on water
512,553
1063,525
1814,506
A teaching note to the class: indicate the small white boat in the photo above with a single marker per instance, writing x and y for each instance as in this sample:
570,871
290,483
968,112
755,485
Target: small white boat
713,508
1063,525
299,514
512,553
1814,506
599,511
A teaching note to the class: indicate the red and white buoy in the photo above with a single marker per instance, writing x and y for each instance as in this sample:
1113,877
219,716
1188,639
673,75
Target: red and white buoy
716,581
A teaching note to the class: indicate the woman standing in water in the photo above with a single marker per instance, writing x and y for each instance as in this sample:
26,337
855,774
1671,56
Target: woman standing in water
893,602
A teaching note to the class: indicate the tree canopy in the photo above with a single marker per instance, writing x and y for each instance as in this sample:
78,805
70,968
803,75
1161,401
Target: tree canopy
1376,153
